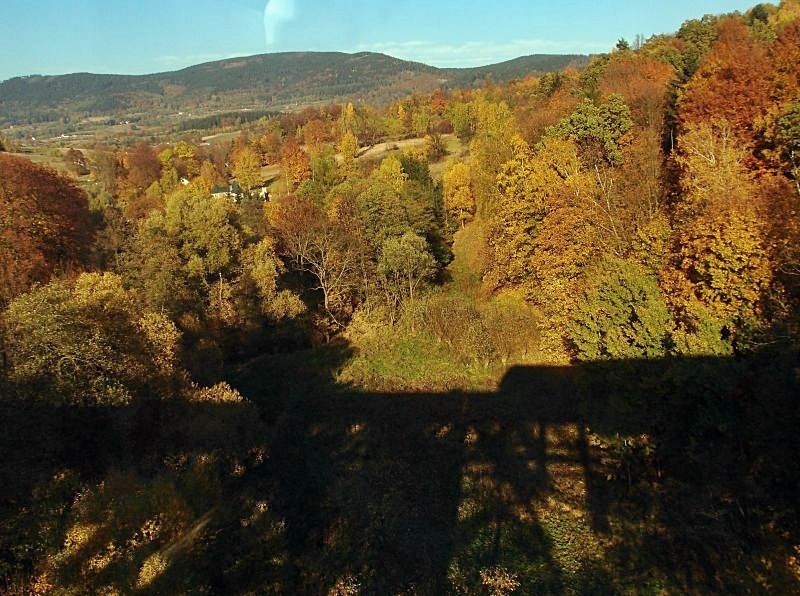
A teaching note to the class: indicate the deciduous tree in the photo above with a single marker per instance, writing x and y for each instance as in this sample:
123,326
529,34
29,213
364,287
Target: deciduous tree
733,82
246,168
391,173
712,168
720,280
143,166
490,148
318,246
459,200
45,225
622,314
348,147
404,264
295,163
86,343
597,129
315,134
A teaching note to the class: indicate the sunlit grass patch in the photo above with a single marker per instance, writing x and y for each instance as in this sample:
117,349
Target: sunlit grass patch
413,363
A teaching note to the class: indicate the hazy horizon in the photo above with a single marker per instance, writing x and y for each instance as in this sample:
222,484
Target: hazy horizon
177,69
52,37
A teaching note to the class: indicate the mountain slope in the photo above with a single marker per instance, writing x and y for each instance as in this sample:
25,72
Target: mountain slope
276,81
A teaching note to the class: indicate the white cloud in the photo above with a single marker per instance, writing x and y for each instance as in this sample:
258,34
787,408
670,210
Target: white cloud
276,13
480,53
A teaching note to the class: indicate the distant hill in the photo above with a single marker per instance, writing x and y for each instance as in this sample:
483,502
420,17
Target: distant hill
268,81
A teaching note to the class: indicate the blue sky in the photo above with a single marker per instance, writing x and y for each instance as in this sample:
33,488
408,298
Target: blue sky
142,36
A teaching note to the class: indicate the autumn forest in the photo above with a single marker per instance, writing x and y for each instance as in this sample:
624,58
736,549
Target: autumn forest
534,336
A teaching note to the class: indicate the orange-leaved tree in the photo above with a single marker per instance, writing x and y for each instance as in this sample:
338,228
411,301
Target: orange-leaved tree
45,226
733,82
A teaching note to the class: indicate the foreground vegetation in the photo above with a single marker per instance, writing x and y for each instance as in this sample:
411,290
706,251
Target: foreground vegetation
551,346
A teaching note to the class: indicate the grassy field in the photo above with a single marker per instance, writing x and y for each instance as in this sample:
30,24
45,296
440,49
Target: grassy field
374,152
456,151
52,158
222,137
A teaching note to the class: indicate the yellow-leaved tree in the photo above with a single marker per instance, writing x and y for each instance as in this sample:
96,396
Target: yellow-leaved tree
459,200
543,234
719,279
391,172
89,342
348,147
246,168
490,148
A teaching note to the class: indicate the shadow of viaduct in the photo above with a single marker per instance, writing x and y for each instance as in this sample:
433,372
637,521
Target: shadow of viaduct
682,468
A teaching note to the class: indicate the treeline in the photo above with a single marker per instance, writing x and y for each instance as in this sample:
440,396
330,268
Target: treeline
645,204
224,120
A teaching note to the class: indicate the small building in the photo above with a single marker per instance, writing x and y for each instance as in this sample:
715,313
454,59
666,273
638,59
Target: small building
260,191
231,191
234,192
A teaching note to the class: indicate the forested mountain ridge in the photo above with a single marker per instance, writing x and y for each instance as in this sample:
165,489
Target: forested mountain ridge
277,80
